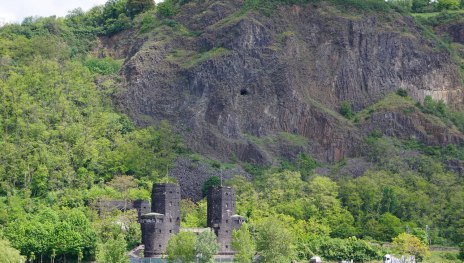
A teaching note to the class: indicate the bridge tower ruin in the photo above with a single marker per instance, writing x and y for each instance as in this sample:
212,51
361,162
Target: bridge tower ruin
163,221
221,216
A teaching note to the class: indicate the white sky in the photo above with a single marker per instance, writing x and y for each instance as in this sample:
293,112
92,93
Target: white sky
12,11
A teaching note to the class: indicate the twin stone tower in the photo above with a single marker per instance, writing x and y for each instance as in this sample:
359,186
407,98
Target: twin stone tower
164,219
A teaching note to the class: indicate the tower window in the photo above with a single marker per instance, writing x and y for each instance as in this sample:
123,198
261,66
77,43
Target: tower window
170,231
243,92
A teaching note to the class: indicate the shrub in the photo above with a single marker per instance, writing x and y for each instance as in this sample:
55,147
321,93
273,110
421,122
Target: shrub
105,66
242,243
113,26
274,242
341,249
212,181
181,247
448,4
374,5
206,247
421,6
404,5
406,244
167,9
402,92
148,22
135,7
9,254
346,110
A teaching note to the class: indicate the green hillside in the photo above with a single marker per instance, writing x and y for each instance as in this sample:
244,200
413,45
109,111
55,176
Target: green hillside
65,143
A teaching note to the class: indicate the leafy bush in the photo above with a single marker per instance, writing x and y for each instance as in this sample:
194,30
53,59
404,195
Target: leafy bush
274,241
181,247
113,26
243,244
9,254
448,4
422,6
167,9
206,247
406,244
346,110
212,181
148,22
402,92
402,5
373,5
105,66
135,7
185,246
439,109
335,249
267,6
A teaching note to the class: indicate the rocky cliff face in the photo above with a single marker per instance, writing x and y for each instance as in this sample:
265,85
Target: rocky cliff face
227,79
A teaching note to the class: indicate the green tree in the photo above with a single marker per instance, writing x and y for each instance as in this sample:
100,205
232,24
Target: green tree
247,197
448,4
420,5
181,247
406,244
242,243
206,247
391,226
274,242
212,181
113,250
122,184
167,9
461,251
189,213
135,7
306,165
9,254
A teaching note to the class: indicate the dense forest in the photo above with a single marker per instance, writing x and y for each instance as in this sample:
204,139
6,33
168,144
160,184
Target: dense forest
65,146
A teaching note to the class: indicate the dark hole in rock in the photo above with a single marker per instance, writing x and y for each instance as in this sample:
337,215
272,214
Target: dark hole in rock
243,92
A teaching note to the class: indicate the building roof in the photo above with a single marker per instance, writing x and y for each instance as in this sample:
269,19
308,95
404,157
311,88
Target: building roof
152,215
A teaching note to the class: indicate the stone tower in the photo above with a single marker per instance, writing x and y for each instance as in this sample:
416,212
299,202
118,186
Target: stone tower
153,234
221,216
165,200
163,221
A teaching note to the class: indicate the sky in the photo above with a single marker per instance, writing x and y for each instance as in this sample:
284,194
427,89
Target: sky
14,11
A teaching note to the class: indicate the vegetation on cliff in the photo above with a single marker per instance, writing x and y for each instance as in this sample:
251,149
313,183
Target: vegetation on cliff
65,145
